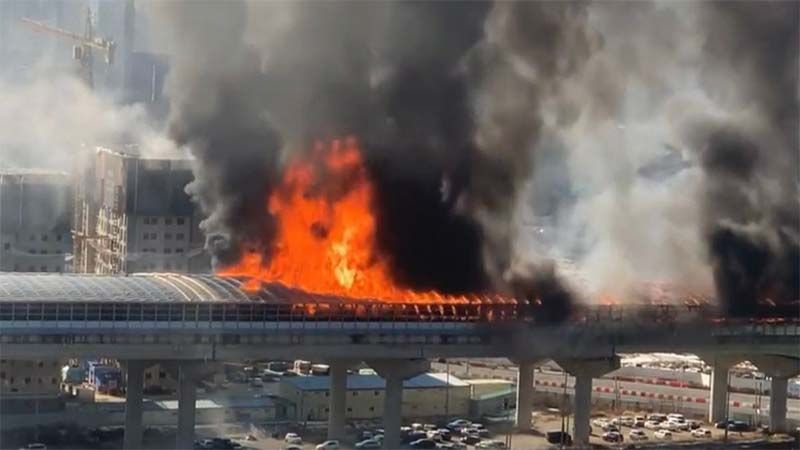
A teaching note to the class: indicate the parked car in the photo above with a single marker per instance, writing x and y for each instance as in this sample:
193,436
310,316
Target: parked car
490,445
415,436
675,416
638,422
657,417
610,427
429,427
293,438
417,426
446,434
557,437
612,436
35,446
652,425
738,425
637,435
452,445
663,434
328,445
472,439
482,432
669,425
723,424
368,444
458,424
701,433
624,421
693,424
680,423
293,447
423,443
365,435
601,422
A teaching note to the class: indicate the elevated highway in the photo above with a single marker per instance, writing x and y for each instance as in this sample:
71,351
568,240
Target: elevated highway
188,320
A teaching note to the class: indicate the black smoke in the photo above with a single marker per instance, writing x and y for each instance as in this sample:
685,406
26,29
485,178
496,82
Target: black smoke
752,205
415,82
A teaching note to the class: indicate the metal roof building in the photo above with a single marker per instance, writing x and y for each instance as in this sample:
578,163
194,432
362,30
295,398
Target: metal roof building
374,382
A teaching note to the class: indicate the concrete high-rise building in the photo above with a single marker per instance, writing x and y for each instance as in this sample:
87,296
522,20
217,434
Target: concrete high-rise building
35,212
133,215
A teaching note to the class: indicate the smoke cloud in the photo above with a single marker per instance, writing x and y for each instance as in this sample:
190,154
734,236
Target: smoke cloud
656,140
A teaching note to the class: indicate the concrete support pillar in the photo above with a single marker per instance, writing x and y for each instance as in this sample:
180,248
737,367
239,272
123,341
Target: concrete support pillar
394,371
778,393
187,397
583,407
780,368
133,404
392,411
718,403
337,406
584,370
524,396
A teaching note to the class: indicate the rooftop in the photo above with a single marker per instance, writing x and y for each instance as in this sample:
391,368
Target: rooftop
375,382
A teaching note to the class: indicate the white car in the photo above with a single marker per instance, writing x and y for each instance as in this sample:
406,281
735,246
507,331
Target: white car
459,423
490,445
637,435
293,447
663,434
328,445
368,444
701,433
675,416
652,425
669,425
624,421
680,424
600,422
293,438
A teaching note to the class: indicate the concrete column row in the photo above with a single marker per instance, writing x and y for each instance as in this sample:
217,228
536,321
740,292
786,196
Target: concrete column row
187,396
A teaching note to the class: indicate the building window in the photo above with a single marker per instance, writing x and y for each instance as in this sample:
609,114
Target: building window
40,381
349,410
168,221
58,237
41,364
355,393
327,410
178,250
7,246
31,269
27,380
162,375
146,236
168,251
2,375
168,236
53,380
376,393
371,409
44,252
180,220
10,380
148,376
153,236
32,251
327,394
44,237
179,236
43,269
33,237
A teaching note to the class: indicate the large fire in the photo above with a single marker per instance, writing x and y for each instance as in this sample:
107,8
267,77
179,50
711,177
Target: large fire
325,241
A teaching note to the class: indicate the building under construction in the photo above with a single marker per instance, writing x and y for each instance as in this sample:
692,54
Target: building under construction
132,214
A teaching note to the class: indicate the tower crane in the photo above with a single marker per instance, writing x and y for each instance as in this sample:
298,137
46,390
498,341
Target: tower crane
82,50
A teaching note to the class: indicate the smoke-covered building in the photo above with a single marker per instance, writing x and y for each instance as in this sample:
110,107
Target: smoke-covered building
35,210
133,215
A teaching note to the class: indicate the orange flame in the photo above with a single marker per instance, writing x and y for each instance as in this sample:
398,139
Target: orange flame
325,241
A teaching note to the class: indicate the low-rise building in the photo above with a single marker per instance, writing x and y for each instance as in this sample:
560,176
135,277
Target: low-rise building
426,395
